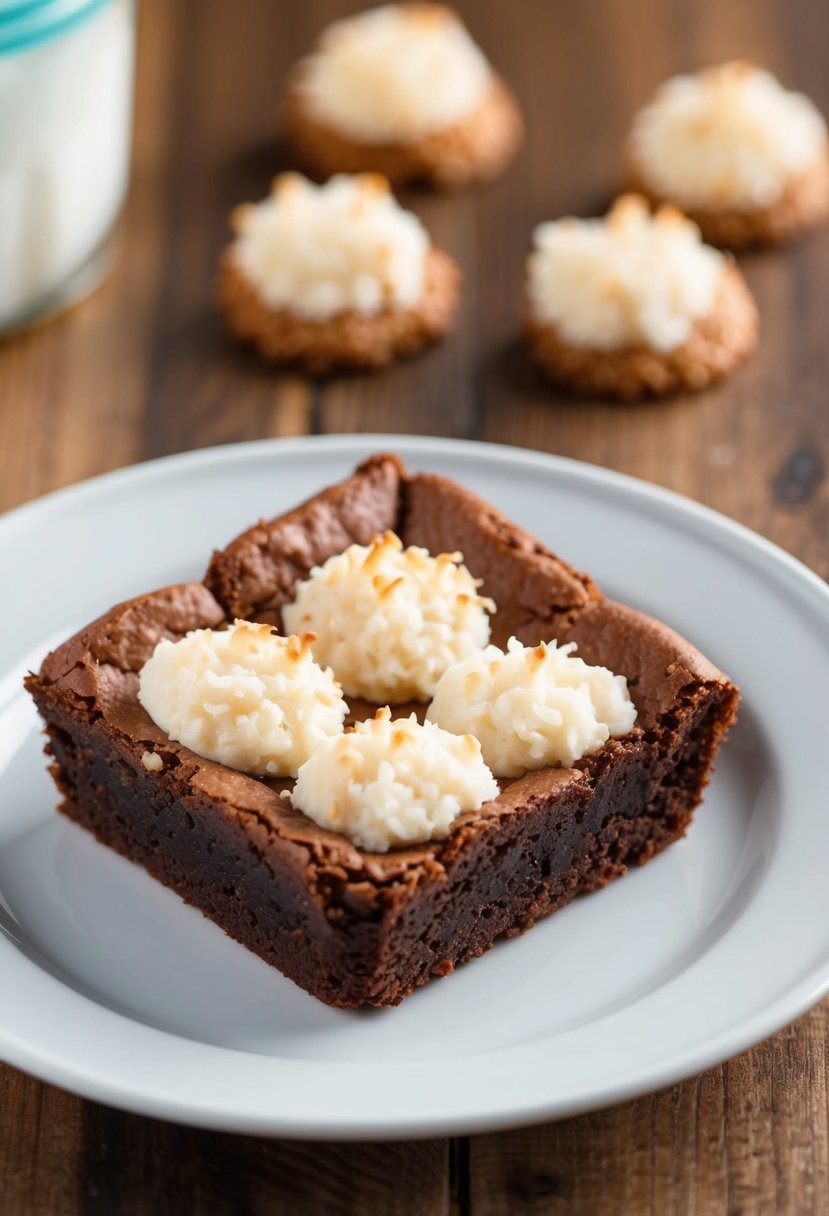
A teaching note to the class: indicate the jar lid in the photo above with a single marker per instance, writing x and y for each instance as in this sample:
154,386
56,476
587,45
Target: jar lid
25,22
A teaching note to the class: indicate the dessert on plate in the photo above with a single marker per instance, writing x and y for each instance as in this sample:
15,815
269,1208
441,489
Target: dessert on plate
402,90
635,304
334,276
364,847
745,158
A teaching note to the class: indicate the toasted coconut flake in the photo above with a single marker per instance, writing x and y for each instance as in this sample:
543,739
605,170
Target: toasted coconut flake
321,251
391,783
395,74
728,137
532,707
391,620
630,280
243,696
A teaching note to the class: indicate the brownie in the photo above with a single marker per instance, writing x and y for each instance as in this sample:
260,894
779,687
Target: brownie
353,927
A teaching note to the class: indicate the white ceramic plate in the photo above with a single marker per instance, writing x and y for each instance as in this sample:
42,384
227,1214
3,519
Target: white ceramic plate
111,987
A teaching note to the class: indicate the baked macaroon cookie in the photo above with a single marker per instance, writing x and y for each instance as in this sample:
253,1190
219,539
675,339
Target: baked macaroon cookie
334,276
402,90
634,304
742,156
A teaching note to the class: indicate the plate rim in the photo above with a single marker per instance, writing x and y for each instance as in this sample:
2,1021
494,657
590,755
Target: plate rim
788,1006
376,441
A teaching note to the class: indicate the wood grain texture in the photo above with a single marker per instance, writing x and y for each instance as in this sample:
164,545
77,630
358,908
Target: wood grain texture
143,369
140,1167
747,1138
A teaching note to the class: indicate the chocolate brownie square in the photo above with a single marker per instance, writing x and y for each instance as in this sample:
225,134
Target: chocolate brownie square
352,927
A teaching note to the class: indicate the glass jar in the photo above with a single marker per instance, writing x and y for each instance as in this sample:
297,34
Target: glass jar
65,121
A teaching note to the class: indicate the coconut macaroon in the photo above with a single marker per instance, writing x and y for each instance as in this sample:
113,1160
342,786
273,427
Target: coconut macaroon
388,784
635,304
745,158
337,275
402,90
389,620
532,707
242,697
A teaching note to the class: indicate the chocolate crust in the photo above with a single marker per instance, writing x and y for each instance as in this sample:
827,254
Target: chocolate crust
717,345
803,205
352,927
475,150
350,340
255,574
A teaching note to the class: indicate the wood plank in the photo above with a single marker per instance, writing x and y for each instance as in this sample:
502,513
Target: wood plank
754,447
143,369
61,1156
40,1142
142,1167
748,1138
203,389
153,335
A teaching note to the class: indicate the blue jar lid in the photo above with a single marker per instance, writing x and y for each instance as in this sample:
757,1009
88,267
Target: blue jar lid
25,22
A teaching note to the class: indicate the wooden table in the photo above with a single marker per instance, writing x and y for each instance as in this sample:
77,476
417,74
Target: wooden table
142,369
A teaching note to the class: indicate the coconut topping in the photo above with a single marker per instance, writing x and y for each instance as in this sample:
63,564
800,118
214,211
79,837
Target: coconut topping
630,279
730,136
395,74
391,783
390,620
243,697
323,250
532,707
